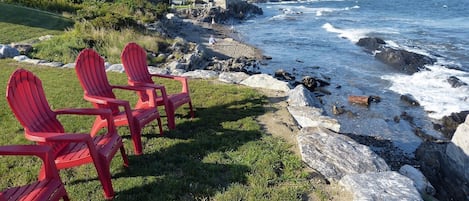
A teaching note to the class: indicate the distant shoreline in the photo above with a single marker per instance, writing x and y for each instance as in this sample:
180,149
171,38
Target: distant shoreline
228,43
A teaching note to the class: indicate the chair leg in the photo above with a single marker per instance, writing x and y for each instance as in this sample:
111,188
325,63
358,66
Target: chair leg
169,109
191,110
135,132
104,175
124,156
98,125
66,198
160,126
170,118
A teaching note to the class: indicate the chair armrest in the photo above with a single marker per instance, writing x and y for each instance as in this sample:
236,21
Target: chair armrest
104,100
41,151
153,86
104,113
84,111
181,79
123,103
131,88
148,89
174,77
46,137
25,150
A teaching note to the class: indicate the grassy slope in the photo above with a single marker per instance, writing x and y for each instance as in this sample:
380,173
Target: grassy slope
20,23
222,154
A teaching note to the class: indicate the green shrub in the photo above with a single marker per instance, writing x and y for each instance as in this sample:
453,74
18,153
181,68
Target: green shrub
106,41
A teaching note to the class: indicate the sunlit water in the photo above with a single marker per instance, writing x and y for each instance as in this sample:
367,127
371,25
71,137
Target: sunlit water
300,36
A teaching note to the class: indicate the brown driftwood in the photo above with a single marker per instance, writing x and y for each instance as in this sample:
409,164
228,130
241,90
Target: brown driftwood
364,100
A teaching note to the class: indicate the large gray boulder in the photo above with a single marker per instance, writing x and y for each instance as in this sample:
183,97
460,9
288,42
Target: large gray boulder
380,186
313,117
403,60
7,51
300,96
55,64
20,58
232,77
335,155
267,82
371,44
458,151
420,181
156,70
115,68
201,74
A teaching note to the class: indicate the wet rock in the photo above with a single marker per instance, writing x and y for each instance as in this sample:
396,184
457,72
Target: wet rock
313,84
456,82
310,82
284,75
410,100
371,44
338,110
264,57
403,60
451,122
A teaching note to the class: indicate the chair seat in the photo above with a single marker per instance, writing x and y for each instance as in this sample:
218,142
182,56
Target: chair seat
142,115
78,153
47,189
175,99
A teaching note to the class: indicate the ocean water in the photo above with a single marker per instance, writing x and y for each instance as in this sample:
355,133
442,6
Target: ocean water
317,38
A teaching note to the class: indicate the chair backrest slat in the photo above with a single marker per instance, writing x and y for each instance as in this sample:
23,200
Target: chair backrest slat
91,72
134,59
27,100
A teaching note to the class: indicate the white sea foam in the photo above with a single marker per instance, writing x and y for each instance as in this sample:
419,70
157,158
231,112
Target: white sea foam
351,34
433,91
322,11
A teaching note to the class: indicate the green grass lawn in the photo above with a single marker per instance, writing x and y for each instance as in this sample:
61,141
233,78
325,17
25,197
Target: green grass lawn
222,154
19,23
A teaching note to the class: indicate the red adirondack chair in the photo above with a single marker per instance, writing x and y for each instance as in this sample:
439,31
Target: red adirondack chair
134,59
48,188
27,100
90,70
